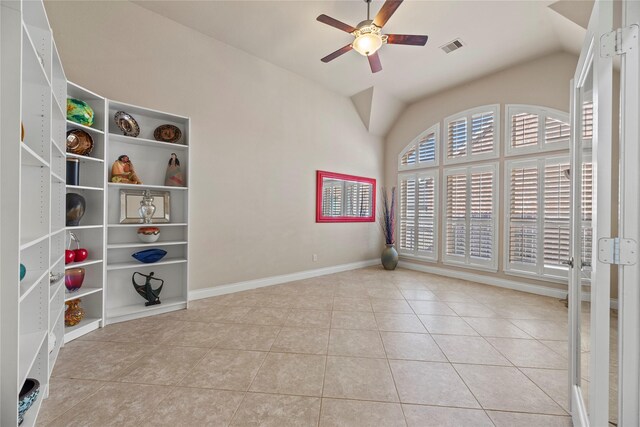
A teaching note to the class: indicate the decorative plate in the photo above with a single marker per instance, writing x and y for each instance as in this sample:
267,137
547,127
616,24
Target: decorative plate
79,111
127,124
150,255
167,133
79,142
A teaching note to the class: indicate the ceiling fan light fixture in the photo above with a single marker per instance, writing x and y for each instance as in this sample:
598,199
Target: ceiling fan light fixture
368,40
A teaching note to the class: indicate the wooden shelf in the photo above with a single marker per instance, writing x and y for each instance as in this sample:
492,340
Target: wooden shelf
83,187
29,349
82,264
165,224
143,245
114,137
30,158
139,310
71,123
80,293
145,186
33,241
85,326
84,227
84,158
30,281
137,264
58,286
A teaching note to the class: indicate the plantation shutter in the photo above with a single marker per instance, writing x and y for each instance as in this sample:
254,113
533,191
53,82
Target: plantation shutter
332,200
409,157
426,214
365,205
556,131
557,200
587,120
523,214
587,231
524,130
427,148
457,139
481,223
456,212
482,135
407,213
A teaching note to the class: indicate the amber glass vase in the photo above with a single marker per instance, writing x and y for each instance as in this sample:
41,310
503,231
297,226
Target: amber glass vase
73,313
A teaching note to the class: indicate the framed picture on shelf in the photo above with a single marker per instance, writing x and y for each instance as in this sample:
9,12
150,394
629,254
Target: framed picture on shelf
131,200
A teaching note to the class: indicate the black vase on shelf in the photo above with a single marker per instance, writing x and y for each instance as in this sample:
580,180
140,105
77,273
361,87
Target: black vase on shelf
76,206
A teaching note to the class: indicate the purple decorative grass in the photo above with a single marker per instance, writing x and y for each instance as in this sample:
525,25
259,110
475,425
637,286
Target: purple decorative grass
387,216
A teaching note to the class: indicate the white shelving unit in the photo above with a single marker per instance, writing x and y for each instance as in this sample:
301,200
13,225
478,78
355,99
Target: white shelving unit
32,187
150,159
91,231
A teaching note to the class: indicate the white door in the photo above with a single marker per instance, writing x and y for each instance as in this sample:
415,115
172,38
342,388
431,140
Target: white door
591,184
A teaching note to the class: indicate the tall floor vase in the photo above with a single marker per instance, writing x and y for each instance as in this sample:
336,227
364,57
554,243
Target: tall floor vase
389,258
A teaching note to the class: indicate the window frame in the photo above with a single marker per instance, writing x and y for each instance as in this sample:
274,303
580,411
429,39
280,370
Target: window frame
543,113
539,270
467,262
468,115
414,144
320,217
415,253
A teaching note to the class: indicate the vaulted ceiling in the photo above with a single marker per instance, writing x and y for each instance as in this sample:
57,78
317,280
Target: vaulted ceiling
496,34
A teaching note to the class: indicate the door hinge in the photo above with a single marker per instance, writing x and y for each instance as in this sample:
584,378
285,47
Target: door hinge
618,250
618,41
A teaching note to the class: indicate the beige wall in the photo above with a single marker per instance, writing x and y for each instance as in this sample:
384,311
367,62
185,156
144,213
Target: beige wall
544,81
259,133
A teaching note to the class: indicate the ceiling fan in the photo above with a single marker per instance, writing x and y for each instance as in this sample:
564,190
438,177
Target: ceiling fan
368,35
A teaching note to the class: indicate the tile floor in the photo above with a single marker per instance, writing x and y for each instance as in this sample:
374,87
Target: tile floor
361,348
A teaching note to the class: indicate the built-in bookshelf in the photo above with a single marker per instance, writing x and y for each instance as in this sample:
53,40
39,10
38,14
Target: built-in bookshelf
32,187
150,159
91,230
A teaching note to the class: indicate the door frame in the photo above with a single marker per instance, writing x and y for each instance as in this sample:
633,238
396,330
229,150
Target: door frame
629,227
597,414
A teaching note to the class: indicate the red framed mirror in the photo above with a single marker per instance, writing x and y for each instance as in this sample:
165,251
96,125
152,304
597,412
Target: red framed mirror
345,198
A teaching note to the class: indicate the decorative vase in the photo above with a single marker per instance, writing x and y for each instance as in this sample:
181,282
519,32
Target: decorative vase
79,111
23,271
73,278
76,206
73,171
28,395
147,208
73,314
148,234
389,258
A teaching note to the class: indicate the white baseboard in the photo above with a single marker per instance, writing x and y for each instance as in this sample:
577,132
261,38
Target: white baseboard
276,280
496,281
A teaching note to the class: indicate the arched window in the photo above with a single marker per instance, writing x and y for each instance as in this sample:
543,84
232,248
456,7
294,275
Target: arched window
533,129
422,152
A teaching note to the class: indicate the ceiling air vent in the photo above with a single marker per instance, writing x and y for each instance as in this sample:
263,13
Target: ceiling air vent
452,45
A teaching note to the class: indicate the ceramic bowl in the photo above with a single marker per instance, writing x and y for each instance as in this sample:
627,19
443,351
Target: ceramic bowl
73,278
79,142
28,395
148,234
150,255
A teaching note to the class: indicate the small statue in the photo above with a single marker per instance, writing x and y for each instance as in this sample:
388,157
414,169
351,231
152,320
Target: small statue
174,176
123,172
146,291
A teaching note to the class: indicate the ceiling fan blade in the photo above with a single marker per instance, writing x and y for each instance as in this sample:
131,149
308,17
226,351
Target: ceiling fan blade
407,39
337,53
335,23
385,12
374,62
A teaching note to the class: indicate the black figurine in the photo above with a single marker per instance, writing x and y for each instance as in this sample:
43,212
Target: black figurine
146,291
